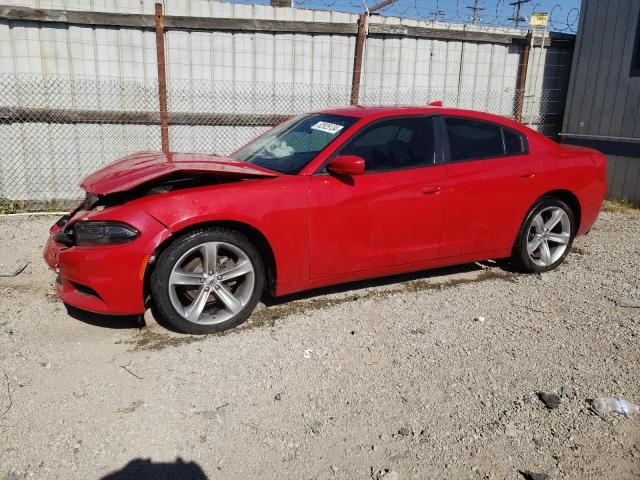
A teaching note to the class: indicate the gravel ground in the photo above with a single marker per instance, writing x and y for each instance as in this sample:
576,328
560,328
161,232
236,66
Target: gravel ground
391,379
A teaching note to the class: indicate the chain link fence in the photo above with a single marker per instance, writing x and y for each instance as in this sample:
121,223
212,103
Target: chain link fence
56,130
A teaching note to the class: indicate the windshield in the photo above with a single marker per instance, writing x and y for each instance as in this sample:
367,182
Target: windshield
288,147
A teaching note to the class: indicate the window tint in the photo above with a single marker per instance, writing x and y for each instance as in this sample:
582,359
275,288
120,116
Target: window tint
514,142
395,144
469,139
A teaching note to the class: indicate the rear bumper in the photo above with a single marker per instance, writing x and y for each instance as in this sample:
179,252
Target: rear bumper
592,199
594,192
589,217
106,279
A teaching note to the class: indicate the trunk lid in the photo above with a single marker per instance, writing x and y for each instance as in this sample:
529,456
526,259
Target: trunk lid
570,149
143,167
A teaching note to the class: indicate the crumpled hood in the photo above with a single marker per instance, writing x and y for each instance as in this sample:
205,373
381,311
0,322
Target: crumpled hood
142,167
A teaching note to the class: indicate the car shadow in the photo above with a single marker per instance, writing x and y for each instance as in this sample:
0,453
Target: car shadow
503,265
138,321
118,322
145,469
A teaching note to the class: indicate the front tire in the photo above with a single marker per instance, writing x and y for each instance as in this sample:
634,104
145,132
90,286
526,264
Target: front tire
207,281
545,237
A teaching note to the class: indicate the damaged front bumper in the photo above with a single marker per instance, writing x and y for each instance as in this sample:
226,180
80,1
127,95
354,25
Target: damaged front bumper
106,279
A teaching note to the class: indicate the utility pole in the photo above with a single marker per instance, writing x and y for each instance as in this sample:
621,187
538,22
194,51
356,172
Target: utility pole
517,18
384,3
475,16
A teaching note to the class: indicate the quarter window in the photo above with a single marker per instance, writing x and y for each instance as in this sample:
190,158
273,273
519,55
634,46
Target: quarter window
395,144
514,143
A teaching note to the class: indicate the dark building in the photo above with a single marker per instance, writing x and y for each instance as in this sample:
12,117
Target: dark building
603,103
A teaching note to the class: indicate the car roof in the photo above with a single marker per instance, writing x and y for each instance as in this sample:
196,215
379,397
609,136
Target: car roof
361,111
381,111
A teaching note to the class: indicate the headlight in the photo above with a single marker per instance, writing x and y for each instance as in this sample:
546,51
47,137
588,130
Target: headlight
103,233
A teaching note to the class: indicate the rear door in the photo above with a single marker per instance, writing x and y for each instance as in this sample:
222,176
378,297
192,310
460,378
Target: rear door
390,215
491,183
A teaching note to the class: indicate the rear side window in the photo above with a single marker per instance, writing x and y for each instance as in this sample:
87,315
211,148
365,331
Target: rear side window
474,139
395,144
514,143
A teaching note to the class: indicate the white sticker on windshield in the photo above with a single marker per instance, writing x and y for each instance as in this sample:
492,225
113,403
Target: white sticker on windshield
327,127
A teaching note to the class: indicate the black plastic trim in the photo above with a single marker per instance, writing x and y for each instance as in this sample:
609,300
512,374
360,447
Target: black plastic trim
634,71
620,148
64,238
86,290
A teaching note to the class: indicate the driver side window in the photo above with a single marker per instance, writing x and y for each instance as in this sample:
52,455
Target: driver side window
395,144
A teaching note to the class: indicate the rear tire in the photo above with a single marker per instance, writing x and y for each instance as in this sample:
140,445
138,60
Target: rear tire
207,281
545,237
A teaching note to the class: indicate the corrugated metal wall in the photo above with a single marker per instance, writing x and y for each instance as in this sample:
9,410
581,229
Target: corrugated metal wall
603,106
233,71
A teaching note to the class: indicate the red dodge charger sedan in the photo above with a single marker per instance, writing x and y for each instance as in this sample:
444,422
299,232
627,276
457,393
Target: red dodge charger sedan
321,199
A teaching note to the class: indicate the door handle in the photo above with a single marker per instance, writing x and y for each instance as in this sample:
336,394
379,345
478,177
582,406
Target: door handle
527,174
431,190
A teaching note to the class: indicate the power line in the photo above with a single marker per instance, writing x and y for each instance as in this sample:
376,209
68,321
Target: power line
475,9
437,13
384,3
517,18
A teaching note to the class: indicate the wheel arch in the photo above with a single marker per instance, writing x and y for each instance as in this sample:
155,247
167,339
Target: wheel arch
566,196
570,199
255,236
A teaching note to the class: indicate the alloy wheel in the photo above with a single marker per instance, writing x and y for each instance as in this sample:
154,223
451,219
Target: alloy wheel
548,236
211,283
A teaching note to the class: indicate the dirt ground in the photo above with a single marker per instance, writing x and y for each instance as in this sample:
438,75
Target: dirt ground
393,379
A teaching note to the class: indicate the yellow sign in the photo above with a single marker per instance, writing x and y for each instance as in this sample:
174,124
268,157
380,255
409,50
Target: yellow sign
539,19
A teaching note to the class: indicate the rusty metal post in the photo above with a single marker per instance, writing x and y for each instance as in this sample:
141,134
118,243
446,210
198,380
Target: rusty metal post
357,59
162,80
521,83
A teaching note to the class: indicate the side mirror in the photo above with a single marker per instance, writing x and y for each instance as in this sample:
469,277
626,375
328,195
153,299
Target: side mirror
346,165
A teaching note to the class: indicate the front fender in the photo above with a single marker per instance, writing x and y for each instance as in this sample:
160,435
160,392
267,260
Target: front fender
277,208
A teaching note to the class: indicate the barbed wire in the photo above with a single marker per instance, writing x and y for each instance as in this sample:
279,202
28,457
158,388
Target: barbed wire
494,13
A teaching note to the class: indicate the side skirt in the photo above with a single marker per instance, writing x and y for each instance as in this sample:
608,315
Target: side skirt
388,271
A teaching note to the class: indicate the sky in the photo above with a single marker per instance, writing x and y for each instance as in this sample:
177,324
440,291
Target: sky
564,12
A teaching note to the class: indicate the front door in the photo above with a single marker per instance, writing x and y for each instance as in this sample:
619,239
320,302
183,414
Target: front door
392,214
